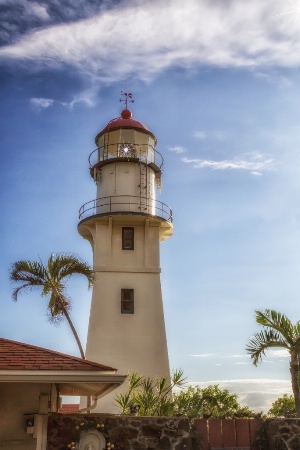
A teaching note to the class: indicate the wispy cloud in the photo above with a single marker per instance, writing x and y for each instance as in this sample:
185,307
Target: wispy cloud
177,149
204,355
199,134
179,34
87,97
38,104
242,363
19,17
254,163
281,353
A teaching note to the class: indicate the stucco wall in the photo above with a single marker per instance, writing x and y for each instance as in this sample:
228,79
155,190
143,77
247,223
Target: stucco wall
17,400
125,432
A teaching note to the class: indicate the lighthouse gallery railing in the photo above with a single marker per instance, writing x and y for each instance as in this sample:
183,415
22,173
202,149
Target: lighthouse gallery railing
144,152
125,204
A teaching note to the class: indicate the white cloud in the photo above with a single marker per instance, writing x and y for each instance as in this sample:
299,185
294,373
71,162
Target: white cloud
205,355
253,163
38,10
276,78
281,353
256,174
183,34
241,363
38,104
87,97
177,149
199,134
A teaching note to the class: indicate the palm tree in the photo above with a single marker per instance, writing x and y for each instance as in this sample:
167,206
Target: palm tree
278,332
52,280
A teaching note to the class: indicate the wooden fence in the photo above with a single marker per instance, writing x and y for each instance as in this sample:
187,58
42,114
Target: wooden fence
239,434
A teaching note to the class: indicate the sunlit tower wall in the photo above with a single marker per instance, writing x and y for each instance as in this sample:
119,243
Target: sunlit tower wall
125,225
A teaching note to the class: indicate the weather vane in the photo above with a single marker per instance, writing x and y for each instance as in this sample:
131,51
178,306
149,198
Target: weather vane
127,99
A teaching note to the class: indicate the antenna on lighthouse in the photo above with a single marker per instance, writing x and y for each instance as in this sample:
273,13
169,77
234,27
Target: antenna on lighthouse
127,99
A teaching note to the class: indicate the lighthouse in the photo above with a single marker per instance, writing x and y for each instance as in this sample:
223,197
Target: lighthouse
125,225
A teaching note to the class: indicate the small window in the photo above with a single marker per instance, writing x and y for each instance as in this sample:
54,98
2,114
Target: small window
127,238
127,301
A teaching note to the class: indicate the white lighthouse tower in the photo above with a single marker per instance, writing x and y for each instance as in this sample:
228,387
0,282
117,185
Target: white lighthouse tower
125,225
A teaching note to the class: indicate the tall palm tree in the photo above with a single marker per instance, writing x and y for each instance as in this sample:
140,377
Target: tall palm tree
278,332
52,280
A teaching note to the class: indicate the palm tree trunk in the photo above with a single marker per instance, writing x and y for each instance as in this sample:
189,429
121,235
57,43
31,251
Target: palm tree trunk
67,316
294,369
73,329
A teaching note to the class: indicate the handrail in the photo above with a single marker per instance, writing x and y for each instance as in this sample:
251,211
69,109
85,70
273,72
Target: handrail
144,152
125,204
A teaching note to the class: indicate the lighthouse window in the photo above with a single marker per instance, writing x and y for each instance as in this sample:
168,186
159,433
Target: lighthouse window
127,238
127,301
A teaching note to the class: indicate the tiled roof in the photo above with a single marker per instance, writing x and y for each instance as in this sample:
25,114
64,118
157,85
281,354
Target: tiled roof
19,356
68,408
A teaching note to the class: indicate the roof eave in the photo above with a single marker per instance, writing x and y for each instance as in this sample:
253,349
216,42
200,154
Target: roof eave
70,382
57,376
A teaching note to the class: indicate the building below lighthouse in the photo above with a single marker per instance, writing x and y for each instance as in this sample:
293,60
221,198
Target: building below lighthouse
125,225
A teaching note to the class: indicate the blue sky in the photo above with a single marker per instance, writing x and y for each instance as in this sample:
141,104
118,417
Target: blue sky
218,84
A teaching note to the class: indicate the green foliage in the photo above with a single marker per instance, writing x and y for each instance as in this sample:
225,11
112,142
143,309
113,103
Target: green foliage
153,397
283,407
211,401
150,396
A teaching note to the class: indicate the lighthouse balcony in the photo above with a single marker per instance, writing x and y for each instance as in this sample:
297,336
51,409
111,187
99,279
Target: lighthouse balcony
125,204
125,151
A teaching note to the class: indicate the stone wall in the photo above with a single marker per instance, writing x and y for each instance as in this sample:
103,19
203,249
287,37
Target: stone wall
123,432
283,434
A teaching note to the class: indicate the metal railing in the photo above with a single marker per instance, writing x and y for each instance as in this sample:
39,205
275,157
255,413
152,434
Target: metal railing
125,204
144,152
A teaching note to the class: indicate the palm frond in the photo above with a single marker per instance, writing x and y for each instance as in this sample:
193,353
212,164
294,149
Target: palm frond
63,265
28,271
277,321
31,273
177,378
264,340
123,401
24,287
162,386
135,381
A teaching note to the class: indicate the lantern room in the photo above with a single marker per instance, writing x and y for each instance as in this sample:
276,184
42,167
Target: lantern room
126,138
126,168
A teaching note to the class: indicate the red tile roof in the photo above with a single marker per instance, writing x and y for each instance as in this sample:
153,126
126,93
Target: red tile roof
68,408
19,356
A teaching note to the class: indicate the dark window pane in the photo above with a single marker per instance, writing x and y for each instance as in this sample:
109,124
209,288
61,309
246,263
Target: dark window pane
127,238
127,301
